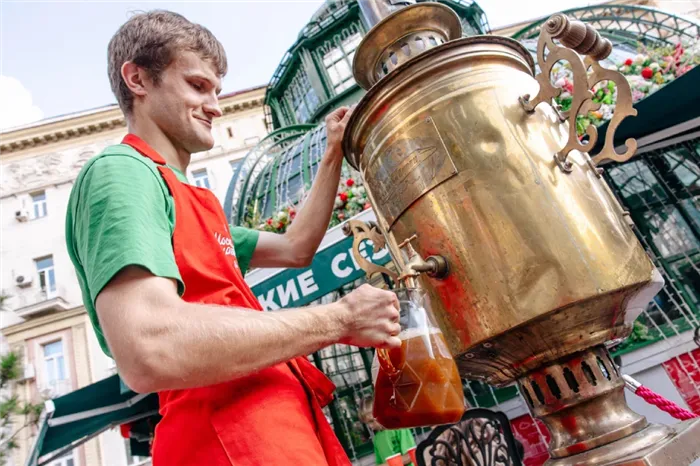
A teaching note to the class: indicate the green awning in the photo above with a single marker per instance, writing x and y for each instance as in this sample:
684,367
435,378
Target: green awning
675,104
75,418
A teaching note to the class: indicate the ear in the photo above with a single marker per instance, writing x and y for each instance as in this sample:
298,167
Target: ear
136,78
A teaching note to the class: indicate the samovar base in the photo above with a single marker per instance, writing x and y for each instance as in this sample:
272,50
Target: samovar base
581,400
654,445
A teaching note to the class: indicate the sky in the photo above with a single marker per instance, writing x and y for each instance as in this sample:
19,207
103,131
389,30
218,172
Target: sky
53,54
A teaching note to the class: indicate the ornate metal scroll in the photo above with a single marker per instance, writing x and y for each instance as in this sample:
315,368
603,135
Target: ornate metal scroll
481,438
577,37
361,231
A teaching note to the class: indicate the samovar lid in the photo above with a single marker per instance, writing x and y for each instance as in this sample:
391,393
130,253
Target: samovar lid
402,36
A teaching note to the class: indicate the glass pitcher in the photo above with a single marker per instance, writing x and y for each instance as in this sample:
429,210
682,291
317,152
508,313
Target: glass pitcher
417,384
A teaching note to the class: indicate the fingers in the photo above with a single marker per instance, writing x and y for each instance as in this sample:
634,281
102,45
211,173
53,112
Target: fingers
337,115
391,342
346,117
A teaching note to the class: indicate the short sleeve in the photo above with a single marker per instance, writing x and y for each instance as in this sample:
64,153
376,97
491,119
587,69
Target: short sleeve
122,218
244,241
406,440
383,446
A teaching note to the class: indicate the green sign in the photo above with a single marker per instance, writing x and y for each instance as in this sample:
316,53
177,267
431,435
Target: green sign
331,268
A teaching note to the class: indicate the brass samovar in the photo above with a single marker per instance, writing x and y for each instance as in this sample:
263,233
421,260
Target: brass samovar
487,198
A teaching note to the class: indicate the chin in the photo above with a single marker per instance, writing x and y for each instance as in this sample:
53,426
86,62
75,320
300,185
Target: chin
201,145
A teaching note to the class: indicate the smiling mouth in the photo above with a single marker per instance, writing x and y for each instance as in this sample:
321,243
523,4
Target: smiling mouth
206,122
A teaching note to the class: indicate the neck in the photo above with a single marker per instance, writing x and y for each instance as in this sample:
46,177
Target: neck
152,135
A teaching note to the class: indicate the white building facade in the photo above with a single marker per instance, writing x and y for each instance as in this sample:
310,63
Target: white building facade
44,319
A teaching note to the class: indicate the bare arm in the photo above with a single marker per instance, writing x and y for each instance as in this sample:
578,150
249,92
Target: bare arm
297,246
161,342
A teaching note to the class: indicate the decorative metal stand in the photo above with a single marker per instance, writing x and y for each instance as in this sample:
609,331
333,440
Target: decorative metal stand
482,438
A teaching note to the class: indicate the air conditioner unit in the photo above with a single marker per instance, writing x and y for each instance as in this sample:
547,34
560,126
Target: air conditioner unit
23,280
29,372
22,215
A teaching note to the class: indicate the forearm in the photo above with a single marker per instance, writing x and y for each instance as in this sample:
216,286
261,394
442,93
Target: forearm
311,223
202,345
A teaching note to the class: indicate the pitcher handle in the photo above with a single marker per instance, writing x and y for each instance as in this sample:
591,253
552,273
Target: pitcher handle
386,364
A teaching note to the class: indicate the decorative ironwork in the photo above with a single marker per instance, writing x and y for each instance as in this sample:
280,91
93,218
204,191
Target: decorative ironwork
253,164
301,97
660,189
481,438
625,23
335,55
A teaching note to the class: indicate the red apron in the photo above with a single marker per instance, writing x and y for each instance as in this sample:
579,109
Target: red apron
268,418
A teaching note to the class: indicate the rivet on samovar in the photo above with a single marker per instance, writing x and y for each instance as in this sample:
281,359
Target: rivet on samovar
467,173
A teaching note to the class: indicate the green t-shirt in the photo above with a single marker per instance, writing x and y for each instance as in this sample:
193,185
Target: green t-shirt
391,442
121,213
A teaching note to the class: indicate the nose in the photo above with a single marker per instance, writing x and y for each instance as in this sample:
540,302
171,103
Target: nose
212,108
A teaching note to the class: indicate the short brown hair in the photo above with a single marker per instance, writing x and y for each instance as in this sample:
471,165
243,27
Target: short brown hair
152,40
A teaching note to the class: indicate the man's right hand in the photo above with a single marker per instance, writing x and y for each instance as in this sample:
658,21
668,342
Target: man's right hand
369,316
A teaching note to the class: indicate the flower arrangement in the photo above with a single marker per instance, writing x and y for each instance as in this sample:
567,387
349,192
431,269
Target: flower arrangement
350,200
647,72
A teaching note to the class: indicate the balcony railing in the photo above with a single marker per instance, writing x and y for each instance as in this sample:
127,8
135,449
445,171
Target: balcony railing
56,388
33,303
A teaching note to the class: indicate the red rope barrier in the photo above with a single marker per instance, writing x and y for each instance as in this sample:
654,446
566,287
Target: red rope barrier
657,400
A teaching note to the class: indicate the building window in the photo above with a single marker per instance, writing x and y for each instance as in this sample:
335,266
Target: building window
229,131
47,275
251,140
201,178
301,96
66,460
39,204
338,62
55,368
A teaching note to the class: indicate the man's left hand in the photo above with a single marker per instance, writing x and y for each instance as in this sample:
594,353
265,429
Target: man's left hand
336,122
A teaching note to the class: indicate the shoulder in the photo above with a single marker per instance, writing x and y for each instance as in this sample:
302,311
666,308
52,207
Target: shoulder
121,159
121,169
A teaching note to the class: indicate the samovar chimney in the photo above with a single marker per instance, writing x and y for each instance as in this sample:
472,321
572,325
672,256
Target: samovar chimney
487,199
373,11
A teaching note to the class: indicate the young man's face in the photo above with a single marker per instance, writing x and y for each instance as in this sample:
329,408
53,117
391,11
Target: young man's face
185,102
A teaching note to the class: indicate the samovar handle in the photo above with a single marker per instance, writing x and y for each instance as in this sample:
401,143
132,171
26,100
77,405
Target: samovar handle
577,37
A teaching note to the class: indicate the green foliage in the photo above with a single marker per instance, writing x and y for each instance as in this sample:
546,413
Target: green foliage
15,415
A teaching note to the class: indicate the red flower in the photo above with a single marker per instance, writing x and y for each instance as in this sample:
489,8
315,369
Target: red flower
269,221
292,214
341,216
647,73
350,182
629,62
367,206
280,225
343,197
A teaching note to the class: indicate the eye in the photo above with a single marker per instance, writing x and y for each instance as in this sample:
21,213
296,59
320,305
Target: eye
197,86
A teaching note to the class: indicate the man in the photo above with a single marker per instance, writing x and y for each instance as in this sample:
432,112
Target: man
161,273
391,447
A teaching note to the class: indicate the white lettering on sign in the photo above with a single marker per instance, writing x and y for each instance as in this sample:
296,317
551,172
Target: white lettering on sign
289,292
336,266
307,283
268,302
